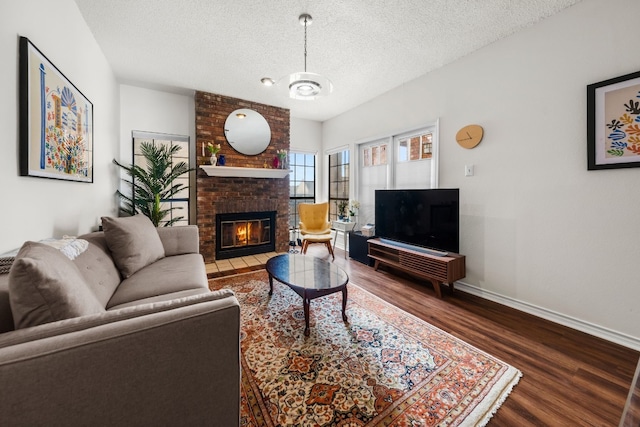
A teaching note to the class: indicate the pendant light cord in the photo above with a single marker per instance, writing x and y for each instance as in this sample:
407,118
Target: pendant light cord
305,44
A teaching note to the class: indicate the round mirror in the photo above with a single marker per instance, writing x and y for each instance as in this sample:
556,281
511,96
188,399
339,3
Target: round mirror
247,131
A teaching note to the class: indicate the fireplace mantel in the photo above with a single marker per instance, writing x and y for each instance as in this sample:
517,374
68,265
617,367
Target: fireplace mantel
244,172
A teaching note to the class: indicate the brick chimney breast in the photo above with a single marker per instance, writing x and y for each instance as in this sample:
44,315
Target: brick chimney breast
231,194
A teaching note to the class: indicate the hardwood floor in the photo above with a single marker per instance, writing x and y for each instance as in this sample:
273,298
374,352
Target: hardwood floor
569,378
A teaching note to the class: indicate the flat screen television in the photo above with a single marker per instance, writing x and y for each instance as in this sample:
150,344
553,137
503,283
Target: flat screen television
427,218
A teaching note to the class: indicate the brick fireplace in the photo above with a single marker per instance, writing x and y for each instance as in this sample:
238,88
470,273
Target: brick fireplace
244,233
237,195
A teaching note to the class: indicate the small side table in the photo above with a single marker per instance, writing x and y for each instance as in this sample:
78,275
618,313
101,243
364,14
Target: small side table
345,227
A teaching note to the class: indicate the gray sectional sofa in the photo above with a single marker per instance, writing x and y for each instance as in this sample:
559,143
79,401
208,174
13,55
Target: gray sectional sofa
126,333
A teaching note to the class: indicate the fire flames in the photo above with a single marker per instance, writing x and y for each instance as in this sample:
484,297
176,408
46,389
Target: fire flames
242,232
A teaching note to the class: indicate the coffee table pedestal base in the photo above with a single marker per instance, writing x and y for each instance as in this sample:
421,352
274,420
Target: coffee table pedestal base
308,294
308,277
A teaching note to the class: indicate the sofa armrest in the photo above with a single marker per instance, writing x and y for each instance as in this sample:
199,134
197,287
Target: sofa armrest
146,365
180,240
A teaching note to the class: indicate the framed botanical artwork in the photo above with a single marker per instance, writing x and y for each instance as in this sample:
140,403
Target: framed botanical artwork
613,123
56,121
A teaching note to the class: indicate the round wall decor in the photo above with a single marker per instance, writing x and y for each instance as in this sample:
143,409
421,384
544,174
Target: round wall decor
470,136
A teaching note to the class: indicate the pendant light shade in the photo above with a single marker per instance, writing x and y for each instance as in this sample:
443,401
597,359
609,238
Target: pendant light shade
304,85
308,86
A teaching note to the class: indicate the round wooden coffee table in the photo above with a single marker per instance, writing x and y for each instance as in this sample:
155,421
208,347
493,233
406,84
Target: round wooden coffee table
310,278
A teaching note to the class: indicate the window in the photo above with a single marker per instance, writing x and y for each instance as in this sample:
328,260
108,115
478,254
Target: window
404,160
416,147
181,200
302,182
338,182
416,165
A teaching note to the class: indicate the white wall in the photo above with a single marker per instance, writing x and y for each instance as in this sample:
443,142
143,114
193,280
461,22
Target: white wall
37,208
540,232
158,111
305,135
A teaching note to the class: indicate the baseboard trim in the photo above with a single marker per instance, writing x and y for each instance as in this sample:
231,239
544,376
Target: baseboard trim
571,322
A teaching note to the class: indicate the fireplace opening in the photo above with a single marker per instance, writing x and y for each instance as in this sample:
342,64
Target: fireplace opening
245,233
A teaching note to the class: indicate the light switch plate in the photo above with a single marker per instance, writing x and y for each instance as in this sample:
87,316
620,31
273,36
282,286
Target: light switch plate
468,170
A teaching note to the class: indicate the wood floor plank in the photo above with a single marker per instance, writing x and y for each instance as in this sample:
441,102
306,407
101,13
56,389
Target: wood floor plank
569,378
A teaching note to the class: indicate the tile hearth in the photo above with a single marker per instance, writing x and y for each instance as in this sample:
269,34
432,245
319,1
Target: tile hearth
245,264
226,267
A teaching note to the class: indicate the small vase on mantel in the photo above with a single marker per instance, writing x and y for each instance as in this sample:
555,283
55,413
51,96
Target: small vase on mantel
213,160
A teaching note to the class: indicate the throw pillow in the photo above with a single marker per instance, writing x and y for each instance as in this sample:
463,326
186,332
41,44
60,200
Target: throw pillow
70,246
133,241
46,286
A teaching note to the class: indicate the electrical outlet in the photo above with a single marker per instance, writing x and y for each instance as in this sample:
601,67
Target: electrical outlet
468,170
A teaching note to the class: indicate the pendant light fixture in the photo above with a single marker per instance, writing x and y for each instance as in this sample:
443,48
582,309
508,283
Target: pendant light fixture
305,85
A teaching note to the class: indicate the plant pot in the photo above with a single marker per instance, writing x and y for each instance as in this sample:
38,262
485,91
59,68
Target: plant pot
213,160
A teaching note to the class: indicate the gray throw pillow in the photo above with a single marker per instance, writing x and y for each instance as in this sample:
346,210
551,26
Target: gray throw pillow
133,241
46,286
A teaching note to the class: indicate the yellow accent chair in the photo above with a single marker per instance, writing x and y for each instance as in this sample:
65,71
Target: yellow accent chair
314,225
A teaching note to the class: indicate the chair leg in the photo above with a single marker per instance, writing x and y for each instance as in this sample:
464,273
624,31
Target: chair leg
305,245
330,249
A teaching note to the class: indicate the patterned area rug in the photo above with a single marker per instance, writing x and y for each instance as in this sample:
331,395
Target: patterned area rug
384,367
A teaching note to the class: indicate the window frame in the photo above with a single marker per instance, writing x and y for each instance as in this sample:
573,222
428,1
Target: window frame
342,181
294,182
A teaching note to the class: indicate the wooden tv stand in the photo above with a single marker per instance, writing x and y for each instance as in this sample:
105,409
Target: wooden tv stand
436,269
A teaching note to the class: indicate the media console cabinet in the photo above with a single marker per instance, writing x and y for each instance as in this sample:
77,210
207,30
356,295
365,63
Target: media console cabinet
437,269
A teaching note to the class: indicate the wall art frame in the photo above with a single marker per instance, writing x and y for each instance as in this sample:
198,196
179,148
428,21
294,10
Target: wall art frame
56,121
613,123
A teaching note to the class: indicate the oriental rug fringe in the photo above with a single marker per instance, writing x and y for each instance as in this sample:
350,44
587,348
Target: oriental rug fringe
383,367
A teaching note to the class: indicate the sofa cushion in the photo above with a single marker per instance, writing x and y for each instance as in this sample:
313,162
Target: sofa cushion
6,319
133,242
173,296
97,267
168,275
46,286
179,239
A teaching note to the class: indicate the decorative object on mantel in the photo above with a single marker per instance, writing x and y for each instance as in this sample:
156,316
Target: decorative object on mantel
231,171
304,85
213,151
613,123
222,160
247,131
155,184
282,157
470,136
56,121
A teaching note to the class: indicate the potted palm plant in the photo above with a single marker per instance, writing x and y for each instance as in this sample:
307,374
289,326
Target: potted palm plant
154,184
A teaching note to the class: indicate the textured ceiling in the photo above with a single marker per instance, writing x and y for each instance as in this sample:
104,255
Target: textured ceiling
366,47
